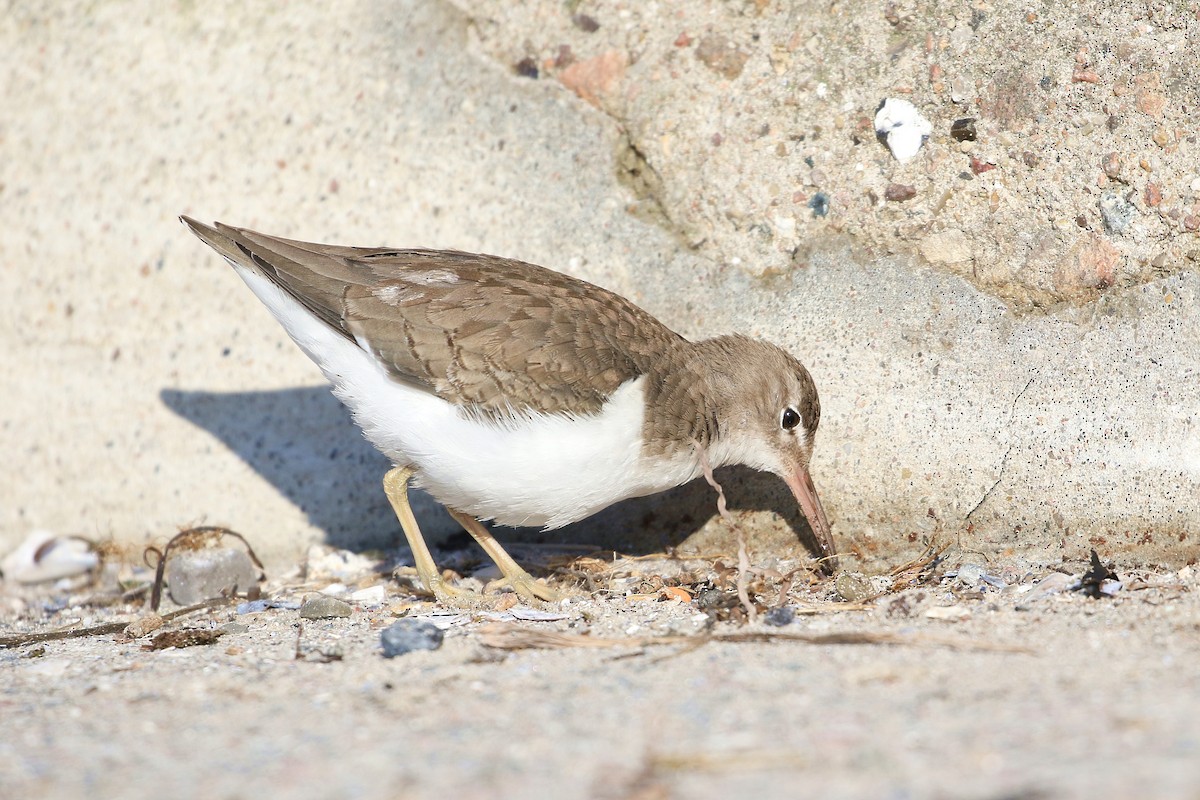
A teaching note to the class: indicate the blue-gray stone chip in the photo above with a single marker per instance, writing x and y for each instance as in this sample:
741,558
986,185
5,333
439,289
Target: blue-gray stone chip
408,635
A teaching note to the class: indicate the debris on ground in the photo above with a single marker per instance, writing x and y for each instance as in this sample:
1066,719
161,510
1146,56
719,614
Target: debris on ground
1099,581
185,637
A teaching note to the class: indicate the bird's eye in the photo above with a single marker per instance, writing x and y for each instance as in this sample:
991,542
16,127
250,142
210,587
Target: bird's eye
790,418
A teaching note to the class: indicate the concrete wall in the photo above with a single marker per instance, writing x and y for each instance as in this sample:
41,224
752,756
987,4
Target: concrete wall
1002,364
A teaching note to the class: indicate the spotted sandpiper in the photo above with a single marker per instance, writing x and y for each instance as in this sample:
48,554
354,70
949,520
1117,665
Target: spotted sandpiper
519,395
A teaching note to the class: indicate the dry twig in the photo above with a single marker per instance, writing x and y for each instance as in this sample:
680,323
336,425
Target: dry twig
100,630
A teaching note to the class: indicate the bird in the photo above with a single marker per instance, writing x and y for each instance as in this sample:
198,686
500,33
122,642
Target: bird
521,396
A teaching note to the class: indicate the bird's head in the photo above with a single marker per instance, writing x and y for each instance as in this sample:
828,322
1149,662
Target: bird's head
771,412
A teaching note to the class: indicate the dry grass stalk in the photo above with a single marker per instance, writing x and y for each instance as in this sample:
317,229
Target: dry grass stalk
743,580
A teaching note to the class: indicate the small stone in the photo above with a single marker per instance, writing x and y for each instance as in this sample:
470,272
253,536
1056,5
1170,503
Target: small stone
852,588
1152,194
722,55
979,166
1117,212
899,192
526,68
1112,165
947,247
585,23
1031,160
819,203
960,90
1191,223
595,78
780,616
963,130
371,596
970,575
194,576
408,635
235,628
325,607
1161,137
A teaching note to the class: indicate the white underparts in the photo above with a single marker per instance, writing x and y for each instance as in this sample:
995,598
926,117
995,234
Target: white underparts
541,470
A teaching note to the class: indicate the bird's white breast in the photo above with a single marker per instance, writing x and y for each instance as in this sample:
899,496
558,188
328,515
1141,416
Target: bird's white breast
540,470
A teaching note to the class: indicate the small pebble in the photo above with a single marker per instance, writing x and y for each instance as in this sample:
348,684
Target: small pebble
408,635
780,616
819,203
970,575
852,588
899,192
979,166
722,55
194,576
526,68
963,130
234,627
324,607
372,595
585,23
1112,165
1117,212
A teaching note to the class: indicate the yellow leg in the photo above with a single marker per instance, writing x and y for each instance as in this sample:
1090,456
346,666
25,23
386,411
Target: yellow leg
395,484
520,580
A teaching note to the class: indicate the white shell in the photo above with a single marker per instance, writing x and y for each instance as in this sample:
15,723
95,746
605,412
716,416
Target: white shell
46,557
904,127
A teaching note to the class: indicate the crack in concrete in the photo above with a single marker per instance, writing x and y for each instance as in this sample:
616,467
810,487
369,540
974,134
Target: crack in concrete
1004,459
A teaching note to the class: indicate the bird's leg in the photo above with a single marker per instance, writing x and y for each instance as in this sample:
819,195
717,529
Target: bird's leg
395,484
521,581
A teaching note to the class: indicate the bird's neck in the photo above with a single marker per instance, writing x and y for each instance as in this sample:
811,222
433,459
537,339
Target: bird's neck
690,397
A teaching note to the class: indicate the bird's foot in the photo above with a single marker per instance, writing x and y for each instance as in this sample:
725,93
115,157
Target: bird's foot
528,588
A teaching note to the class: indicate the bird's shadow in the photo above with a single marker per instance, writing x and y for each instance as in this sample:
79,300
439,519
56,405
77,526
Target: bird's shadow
304,443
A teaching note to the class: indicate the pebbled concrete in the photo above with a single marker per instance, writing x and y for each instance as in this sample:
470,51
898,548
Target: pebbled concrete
147,390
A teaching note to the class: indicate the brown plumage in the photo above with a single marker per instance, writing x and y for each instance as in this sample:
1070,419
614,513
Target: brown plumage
502,341
489,333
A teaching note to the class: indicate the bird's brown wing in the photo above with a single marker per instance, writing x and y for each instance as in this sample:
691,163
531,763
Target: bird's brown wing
495,335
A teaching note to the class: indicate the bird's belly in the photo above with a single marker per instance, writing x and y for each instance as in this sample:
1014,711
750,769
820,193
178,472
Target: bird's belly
545,470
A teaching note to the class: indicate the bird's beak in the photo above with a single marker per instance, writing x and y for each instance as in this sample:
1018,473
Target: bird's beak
806,495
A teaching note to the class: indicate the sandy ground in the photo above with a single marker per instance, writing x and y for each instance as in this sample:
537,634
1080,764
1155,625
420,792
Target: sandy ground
934,689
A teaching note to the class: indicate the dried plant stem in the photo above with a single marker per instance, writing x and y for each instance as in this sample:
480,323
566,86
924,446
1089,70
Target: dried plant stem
101,630
743,581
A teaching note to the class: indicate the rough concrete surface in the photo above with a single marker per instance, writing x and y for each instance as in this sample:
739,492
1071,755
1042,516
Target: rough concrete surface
1007,360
